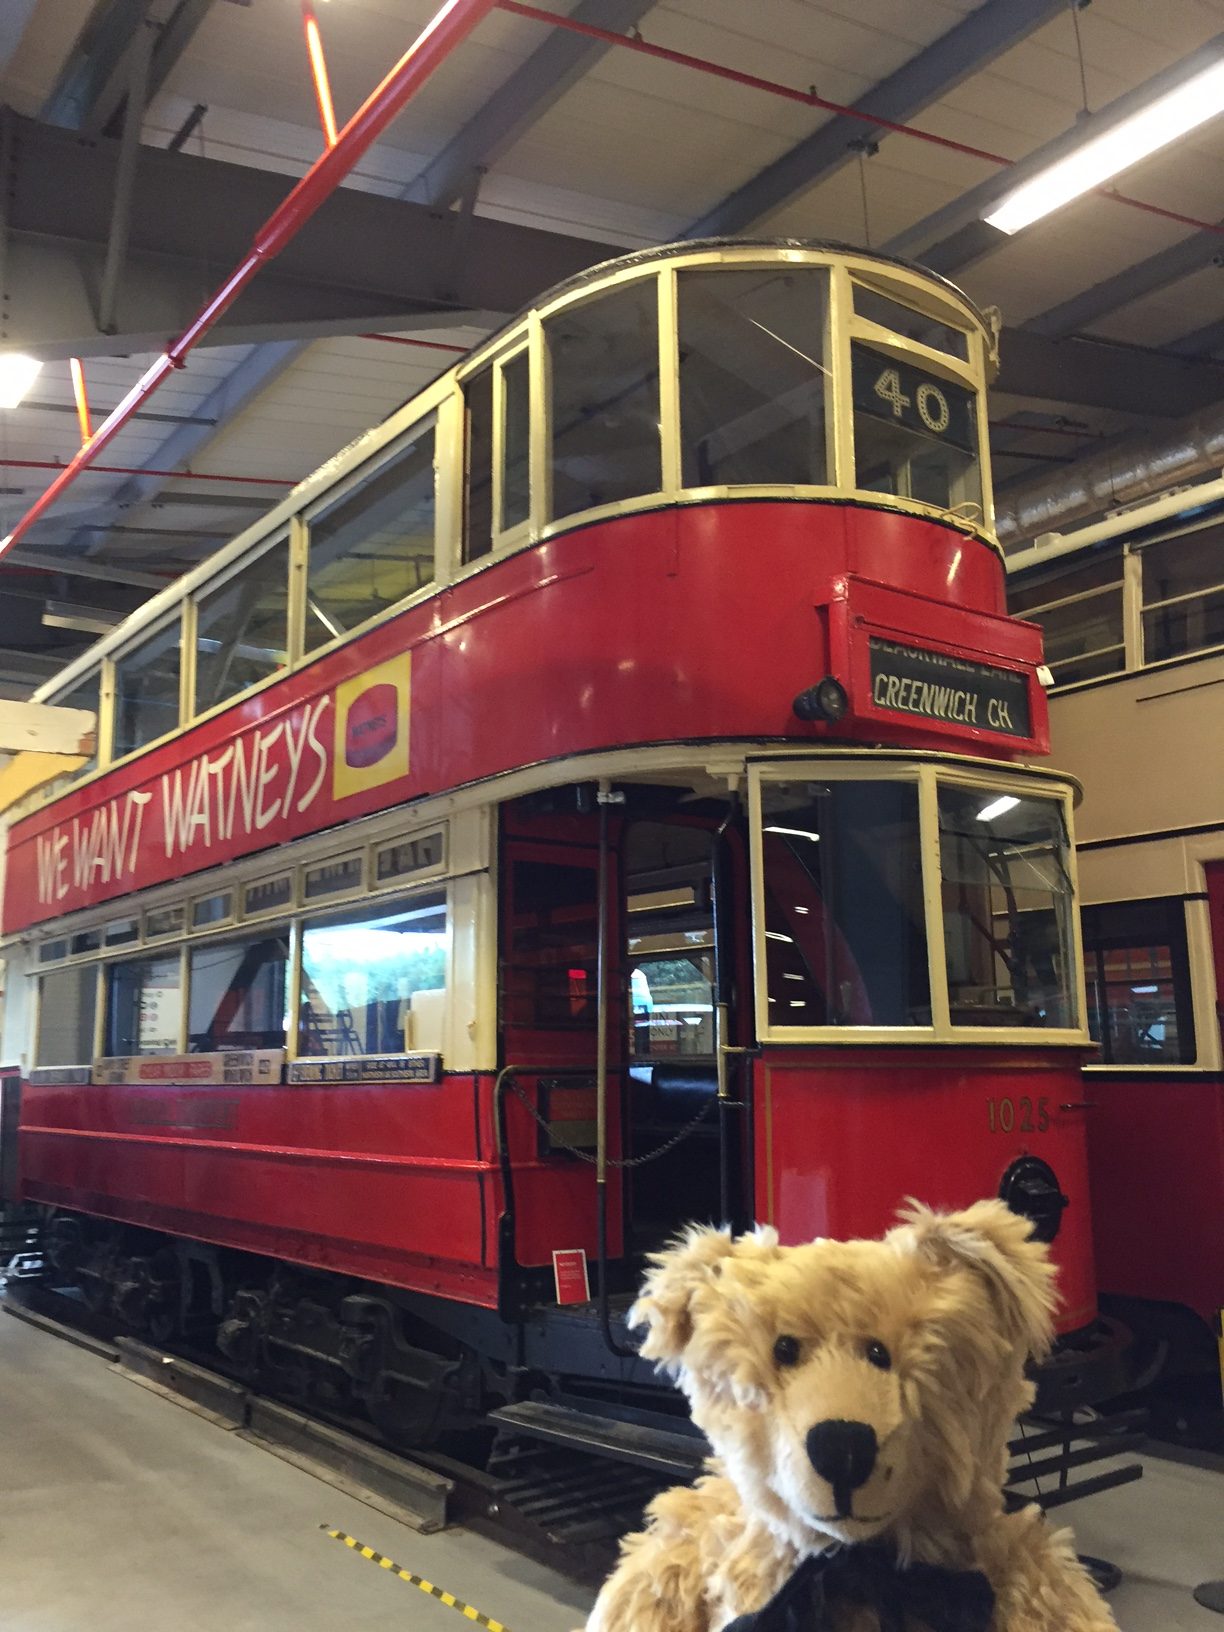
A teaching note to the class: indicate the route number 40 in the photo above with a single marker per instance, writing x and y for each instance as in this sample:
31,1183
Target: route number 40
929,400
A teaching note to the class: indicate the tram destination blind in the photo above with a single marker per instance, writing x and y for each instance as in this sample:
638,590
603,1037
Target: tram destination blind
904,395
954,690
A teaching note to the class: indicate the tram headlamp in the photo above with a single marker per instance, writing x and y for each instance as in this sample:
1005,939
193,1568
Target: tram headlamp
826,700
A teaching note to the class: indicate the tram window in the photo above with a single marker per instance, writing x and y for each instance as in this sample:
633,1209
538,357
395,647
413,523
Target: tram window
147,690
144,1006
845,928
1007,903
85,694
374,982
914,325
915,435
1138,973
237,994
478,494
516,425
1183,594
242,629
374,546
66,1005
604,361
752,378
548,968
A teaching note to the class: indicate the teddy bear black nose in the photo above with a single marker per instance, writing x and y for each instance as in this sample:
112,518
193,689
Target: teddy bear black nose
844,1453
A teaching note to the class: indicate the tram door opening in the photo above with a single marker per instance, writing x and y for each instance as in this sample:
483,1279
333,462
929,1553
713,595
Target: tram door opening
668,1141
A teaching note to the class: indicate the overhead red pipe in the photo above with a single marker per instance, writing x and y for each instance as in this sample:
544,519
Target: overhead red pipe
448,29
407,340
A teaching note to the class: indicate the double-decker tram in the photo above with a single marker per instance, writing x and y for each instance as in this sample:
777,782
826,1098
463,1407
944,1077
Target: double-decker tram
594,801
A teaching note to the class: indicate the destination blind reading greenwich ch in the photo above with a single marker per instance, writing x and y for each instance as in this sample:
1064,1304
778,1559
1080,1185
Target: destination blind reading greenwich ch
914,680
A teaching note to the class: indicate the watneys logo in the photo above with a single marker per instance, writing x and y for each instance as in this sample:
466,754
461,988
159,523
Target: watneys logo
372,727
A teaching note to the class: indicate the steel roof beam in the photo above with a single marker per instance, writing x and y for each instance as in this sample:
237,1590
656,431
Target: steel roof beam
1146,277
92,87
1098,374
551,70
14,15
979,39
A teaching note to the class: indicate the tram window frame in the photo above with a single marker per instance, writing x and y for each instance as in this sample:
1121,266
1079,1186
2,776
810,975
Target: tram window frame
345,497
367,914
968,486
84,692
250,566
550,319
206,1040
77,978
175,626
940,1029
479,449
509,532
148,958
1144,924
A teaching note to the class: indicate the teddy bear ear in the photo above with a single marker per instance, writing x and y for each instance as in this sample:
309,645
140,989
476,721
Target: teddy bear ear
997,1245
681,1271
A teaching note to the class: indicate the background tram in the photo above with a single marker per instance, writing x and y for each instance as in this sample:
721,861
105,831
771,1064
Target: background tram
1132,610
598,799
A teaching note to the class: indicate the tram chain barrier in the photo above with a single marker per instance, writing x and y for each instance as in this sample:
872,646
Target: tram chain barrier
628,1161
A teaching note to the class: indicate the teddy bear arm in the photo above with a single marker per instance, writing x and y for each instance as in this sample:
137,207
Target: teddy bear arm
663,1580
1040,1584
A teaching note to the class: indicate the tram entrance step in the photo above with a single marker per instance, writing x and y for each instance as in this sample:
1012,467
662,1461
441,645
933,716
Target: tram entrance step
671,1456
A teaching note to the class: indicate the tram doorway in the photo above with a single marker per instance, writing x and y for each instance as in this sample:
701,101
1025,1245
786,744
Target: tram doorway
676,1149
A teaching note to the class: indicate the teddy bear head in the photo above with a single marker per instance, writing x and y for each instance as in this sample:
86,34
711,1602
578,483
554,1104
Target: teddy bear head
856,1389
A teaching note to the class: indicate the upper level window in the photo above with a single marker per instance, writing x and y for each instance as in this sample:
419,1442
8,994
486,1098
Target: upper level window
1183,593
242,629
66,1006
478,487
915,433
147,690
85,694
237,994
845,934
1007,903
911,324
516,427
374,981
1138,975
752,376
375,545
604,366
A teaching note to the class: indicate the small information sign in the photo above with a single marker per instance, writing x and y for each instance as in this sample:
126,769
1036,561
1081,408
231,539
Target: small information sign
422,1068
570,1275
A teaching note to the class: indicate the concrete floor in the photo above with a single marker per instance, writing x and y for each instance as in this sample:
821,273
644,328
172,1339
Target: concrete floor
120,1512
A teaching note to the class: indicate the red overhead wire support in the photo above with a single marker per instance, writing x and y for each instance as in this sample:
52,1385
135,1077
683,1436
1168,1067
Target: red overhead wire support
318,72
702,65
82,399
451,25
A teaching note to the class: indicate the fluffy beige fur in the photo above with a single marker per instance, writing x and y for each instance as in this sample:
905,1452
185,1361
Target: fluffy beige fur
959,1301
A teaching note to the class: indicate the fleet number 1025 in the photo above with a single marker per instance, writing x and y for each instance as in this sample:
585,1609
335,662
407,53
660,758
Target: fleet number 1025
1018,1115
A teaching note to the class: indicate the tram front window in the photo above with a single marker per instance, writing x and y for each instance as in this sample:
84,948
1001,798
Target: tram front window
845,936
752,378
1007,902
915,433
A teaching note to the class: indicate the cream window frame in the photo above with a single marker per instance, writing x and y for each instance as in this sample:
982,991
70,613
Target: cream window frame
926,776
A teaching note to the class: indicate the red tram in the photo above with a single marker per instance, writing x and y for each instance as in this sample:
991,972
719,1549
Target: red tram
595,800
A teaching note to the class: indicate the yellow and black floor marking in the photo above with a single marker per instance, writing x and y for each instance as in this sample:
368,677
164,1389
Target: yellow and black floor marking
389,1564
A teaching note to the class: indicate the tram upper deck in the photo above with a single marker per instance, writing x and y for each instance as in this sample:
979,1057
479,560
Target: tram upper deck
664,504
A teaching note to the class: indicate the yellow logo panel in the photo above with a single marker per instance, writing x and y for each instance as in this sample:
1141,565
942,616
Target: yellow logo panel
371,746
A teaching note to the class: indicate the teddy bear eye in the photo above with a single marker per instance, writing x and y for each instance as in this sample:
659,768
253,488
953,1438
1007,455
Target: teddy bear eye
786,1351
878,1354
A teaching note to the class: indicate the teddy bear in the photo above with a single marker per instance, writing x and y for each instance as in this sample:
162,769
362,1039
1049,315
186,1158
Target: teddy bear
858,1397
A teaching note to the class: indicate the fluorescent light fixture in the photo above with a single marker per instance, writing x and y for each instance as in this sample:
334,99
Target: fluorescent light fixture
795,833
777,935
17,374
1145,989
1145,131
997,807
90,620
